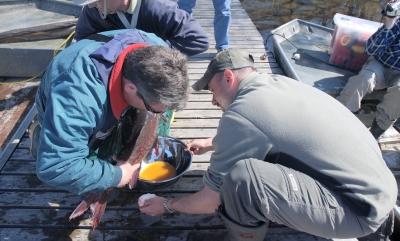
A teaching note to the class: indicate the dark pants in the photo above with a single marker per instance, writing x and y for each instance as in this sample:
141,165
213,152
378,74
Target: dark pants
255,192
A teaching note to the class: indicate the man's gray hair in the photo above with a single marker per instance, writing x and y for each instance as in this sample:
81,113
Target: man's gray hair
160,75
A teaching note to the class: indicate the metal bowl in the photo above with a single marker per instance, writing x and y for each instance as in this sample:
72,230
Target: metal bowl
170,150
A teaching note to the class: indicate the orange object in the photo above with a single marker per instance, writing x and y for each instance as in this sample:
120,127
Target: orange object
157,171
349,41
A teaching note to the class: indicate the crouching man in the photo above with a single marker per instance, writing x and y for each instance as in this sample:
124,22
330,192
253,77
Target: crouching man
84,98
288,153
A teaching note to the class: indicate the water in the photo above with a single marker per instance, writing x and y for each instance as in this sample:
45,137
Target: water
269,14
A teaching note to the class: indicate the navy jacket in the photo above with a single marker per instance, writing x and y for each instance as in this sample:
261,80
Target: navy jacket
161,17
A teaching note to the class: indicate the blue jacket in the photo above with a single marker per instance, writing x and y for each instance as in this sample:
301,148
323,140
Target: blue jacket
73,107
161,17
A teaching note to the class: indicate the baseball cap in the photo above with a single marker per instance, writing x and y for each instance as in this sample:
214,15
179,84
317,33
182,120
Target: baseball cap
226,59
84,2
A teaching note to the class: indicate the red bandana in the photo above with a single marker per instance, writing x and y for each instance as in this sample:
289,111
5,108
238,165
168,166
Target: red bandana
118,103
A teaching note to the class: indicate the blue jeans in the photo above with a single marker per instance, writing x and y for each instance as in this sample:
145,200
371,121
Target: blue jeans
222,19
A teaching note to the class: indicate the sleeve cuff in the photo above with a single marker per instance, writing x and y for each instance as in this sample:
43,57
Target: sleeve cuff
117,174
208,182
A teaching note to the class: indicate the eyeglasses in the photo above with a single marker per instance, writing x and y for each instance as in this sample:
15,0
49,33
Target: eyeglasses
147,106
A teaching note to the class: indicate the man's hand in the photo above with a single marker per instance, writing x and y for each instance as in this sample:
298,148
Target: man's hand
130,174
200,146
205,201
389,22
153,206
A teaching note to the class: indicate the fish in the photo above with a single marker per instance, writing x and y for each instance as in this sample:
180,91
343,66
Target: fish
138,144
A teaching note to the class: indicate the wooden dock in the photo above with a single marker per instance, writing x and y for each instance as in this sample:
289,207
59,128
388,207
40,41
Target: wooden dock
31,210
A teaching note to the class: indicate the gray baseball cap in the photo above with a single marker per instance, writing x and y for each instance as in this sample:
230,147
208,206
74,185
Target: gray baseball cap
226,59
84,2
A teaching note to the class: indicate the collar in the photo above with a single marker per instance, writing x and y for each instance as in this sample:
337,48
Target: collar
118,103
132,6
249,77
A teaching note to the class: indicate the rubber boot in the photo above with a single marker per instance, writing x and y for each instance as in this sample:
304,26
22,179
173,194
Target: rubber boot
237,232
375,130
383,232
396,125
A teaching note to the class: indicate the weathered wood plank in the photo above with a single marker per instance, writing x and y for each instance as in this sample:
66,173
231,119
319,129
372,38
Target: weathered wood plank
216,234
200,96
260,56
198,105
194,132
116,217
16,100
24,155
190,123
65,200
30,182
201,71
25,142
24,168
237,21
112,219
201,67
203,63
210,53
198,114
197,76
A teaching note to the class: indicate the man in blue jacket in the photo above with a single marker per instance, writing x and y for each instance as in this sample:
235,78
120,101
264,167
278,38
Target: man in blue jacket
161,17
83,95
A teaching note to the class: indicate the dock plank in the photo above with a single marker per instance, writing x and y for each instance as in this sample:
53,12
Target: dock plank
24,168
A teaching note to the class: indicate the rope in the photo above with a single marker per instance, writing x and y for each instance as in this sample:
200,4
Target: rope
55,52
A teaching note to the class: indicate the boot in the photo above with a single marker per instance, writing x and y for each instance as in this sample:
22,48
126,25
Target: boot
396,125
383,232
375,130
237,232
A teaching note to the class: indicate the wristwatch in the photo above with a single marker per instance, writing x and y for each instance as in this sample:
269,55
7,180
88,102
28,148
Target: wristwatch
167,206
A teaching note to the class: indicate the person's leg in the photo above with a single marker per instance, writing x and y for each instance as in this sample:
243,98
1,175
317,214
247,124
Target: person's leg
370,76
388,111
384,231
222,19
255,192
187,5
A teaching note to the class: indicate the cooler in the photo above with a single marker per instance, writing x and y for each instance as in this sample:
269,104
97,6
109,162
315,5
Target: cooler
349,41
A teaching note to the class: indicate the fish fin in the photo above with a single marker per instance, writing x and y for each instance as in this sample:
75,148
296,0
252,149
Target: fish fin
135,176
79,210
98,210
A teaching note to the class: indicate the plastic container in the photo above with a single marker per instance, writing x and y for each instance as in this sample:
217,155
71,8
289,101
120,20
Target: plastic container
349,41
